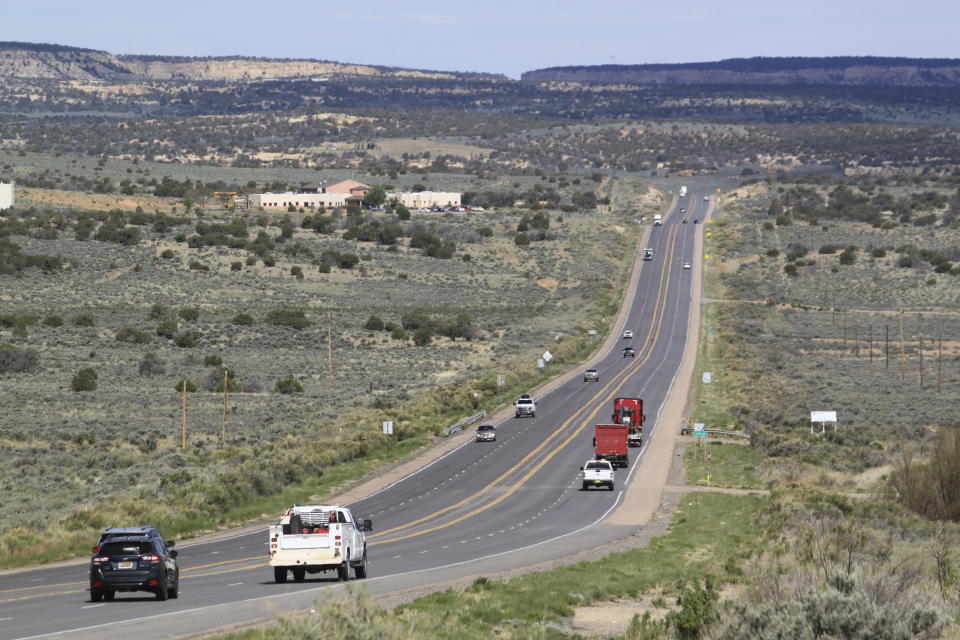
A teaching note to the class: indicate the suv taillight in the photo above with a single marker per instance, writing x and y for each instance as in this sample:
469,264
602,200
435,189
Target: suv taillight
101,559
95,550
150,557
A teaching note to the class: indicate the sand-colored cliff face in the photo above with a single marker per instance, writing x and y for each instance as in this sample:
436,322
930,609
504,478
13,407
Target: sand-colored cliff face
77,64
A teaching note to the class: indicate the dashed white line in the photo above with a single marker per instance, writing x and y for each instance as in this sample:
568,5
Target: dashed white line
234,584
90,606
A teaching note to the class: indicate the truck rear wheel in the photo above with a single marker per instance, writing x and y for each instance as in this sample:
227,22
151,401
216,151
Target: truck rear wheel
343,571
279,575
360,571
299,573
611,486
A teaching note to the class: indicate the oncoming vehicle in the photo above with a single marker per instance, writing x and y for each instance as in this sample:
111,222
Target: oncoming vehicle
628,352
628,334
525,407
686,265
134,563
486,433
591,375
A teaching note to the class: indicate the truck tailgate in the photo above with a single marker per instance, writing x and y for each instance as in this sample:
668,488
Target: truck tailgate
305,541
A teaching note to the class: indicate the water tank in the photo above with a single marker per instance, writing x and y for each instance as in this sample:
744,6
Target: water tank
6,195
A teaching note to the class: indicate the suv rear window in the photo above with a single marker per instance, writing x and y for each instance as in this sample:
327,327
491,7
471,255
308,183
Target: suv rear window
128,548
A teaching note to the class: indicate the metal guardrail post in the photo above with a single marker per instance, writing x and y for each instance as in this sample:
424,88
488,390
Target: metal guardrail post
456,427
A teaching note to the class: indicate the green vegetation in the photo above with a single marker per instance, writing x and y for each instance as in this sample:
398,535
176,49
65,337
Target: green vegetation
727,464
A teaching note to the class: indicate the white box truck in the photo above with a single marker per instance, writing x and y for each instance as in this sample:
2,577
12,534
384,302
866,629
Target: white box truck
657,220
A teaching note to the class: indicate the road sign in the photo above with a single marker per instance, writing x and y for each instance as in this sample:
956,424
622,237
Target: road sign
540,363
388,427
501,380
547,356
699,433
707,377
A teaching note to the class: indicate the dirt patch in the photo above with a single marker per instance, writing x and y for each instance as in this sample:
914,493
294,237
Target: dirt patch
91,201
548,283
605,619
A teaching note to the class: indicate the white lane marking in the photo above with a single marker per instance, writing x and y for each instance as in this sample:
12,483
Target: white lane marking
6,619
36,579
91,606
213,553
324,588
424,551
234,584
395,557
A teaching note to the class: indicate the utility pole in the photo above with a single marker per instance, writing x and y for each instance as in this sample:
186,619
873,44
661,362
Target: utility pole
329,350
886,346
843,316
183,419
921,361
903,352
871,344
940,365
856,339
226,386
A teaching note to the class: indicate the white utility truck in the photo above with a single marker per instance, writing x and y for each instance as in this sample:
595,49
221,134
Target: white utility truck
657,220
315,538
683,192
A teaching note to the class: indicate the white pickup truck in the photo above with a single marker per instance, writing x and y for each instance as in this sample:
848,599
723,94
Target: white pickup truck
597,473
315,538
525,406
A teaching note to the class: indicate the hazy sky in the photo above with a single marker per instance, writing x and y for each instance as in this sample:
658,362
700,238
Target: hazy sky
504,36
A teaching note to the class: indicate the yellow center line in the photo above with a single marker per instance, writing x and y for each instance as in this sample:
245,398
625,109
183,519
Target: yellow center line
657,323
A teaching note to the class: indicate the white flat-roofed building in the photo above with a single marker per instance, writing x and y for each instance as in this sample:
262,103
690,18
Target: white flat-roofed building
6,195
298,200
427,199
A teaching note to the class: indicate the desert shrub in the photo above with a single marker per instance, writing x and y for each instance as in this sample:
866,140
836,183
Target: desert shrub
905,261
215,378
84,319
53,321
287,386
18,359
398,333
269,261
250,261
848,257
167,329
374,323
151,365
295,318
773,253
84,380
159,311
212,361
167,254
242,319
791,270
186,339
296,272
189,313
698,610
422,337
879,252
196,265
828,249
347,260
133,335
191,387
236,266
323,267
521,239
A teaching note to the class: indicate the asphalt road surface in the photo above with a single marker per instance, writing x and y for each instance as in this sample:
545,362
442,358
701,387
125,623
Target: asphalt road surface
482,507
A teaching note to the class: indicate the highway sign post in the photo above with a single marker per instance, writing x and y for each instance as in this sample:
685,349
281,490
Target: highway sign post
547,356
540,363
707,377
388,427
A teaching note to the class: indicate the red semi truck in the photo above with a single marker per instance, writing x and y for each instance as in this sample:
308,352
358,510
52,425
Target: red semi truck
629,412
610,443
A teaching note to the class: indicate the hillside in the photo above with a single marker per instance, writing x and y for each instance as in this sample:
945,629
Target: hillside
57,62
836,71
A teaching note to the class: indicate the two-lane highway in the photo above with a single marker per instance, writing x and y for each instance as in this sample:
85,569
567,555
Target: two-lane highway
468,511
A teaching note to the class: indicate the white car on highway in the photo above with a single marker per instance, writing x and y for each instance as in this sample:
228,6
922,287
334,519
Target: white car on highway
628,334
686,265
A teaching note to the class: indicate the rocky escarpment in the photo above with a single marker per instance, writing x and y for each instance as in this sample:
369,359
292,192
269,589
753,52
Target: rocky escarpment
28,60
840,71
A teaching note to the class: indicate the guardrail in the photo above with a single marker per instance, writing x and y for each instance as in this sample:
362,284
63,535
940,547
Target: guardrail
686,431
460,425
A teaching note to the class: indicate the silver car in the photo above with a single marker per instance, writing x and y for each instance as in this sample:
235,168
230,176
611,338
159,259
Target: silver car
591,375
486,433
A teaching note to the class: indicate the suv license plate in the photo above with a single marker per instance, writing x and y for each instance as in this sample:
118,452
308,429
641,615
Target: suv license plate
126,565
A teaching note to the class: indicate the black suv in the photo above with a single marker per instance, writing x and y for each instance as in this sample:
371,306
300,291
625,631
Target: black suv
138,562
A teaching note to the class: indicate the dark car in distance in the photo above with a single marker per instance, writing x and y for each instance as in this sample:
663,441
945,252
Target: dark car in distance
628,352
138,562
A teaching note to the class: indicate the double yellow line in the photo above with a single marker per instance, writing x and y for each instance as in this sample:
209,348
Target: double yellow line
606,392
